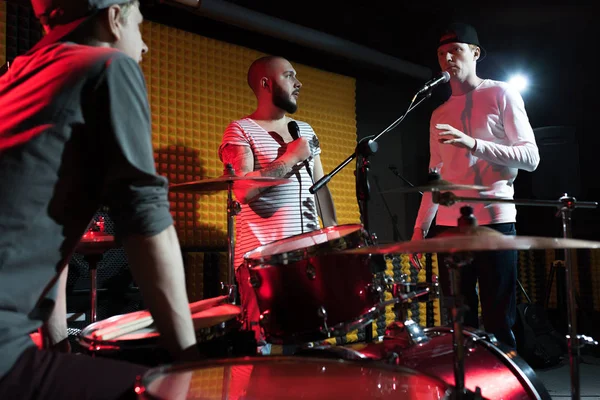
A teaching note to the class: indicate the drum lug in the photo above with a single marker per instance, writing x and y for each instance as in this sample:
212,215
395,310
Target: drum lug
254,281
470,344
311,271
373,239
393,358
322,312
409,331
264,318
435,287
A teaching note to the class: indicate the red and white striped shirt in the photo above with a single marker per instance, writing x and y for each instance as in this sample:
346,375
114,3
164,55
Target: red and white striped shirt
283,210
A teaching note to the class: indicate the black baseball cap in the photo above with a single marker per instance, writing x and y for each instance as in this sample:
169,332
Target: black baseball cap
461,33
64,16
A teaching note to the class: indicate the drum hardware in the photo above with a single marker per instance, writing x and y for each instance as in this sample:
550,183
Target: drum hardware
365,148
469,237
409,331
323,314
229,182
497,371
368,317
311,272
436,185
92,245
404,286
565,205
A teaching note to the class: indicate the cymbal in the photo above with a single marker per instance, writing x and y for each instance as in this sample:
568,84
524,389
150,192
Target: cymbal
480,241
222,183
95,243
440,185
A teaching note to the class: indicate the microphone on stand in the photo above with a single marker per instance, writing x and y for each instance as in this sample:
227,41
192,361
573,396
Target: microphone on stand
294,131
443,77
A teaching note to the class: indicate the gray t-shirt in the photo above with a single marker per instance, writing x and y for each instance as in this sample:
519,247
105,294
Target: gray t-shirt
75,133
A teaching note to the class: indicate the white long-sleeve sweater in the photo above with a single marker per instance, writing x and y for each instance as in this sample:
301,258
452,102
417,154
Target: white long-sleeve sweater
494,115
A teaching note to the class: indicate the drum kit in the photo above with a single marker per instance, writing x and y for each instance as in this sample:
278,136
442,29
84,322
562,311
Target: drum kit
328,283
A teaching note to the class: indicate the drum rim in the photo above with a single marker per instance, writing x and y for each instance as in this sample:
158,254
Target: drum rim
150,375
84,336
303,253
522,371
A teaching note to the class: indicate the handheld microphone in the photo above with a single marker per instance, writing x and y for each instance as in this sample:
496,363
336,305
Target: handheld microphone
443,77
294,131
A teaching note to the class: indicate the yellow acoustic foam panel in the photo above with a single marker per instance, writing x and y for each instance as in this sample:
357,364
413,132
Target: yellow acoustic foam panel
2,32
197,86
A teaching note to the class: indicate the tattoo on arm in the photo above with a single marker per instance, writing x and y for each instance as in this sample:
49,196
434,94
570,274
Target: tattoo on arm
277,169
240,157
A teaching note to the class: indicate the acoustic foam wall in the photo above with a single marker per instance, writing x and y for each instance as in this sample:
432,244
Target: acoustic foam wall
2,33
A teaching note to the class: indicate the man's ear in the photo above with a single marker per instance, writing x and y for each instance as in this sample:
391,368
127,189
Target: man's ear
114,21
476,53
264,82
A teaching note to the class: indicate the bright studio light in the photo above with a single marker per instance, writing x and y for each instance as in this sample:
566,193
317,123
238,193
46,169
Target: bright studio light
519,82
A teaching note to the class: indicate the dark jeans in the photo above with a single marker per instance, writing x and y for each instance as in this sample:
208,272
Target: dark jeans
496,272
40,374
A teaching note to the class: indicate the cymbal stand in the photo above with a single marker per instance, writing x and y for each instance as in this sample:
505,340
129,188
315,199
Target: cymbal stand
454,263
565,204
233,209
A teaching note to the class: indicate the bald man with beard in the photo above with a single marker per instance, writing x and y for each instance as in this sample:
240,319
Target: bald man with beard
262,144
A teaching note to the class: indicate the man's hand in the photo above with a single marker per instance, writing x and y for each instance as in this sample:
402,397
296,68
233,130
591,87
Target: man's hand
450,135
298,150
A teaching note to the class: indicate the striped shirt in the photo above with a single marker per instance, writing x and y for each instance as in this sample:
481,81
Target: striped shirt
283,210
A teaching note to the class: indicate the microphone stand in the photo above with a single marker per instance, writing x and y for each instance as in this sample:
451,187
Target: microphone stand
366,147
395,231
395,171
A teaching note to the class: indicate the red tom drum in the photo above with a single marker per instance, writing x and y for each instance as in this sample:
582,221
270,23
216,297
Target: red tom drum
306,289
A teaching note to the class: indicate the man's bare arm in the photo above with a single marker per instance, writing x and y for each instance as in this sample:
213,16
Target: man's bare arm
242,160
54,331
157,267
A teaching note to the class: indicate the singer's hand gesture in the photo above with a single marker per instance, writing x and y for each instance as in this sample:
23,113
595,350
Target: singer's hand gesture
450,135
299,150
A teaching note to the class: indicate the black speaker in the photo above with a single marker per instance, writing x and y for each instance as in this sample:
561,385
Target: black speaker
558,171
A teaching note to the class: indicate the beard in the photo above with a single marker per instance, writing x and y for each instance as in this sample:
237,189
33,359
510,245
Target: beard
282,100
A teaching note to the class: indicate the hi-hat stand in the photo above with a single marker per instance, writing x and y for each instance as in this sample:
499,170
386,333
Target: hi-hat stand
565,205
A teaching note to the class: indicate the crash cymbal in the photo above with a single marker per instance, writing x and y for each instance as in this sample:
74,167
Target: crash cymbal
481,240
440,185
95,242
222,183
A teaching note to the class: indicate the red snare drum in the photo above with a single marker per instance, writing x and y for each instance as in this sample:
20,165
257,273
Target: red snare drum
276,378
500,374
306,289
141,345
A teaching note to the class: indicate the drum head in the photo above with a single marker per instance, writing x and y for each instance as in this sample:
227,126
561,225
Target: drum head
268,378
207,324
333,238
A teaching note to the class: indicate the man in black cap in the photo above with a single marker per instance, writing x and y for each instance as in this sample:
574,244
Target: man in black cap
480,136
75,133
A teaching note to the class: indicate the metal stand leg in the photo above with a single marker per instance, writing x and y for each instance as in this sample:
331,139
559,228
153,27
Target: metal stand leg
457,329
233,208
573,344
92,261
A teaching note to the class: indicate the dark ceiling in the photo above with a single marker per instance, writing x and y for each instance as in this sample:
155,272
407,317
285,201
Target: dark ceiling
525,32
551,44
